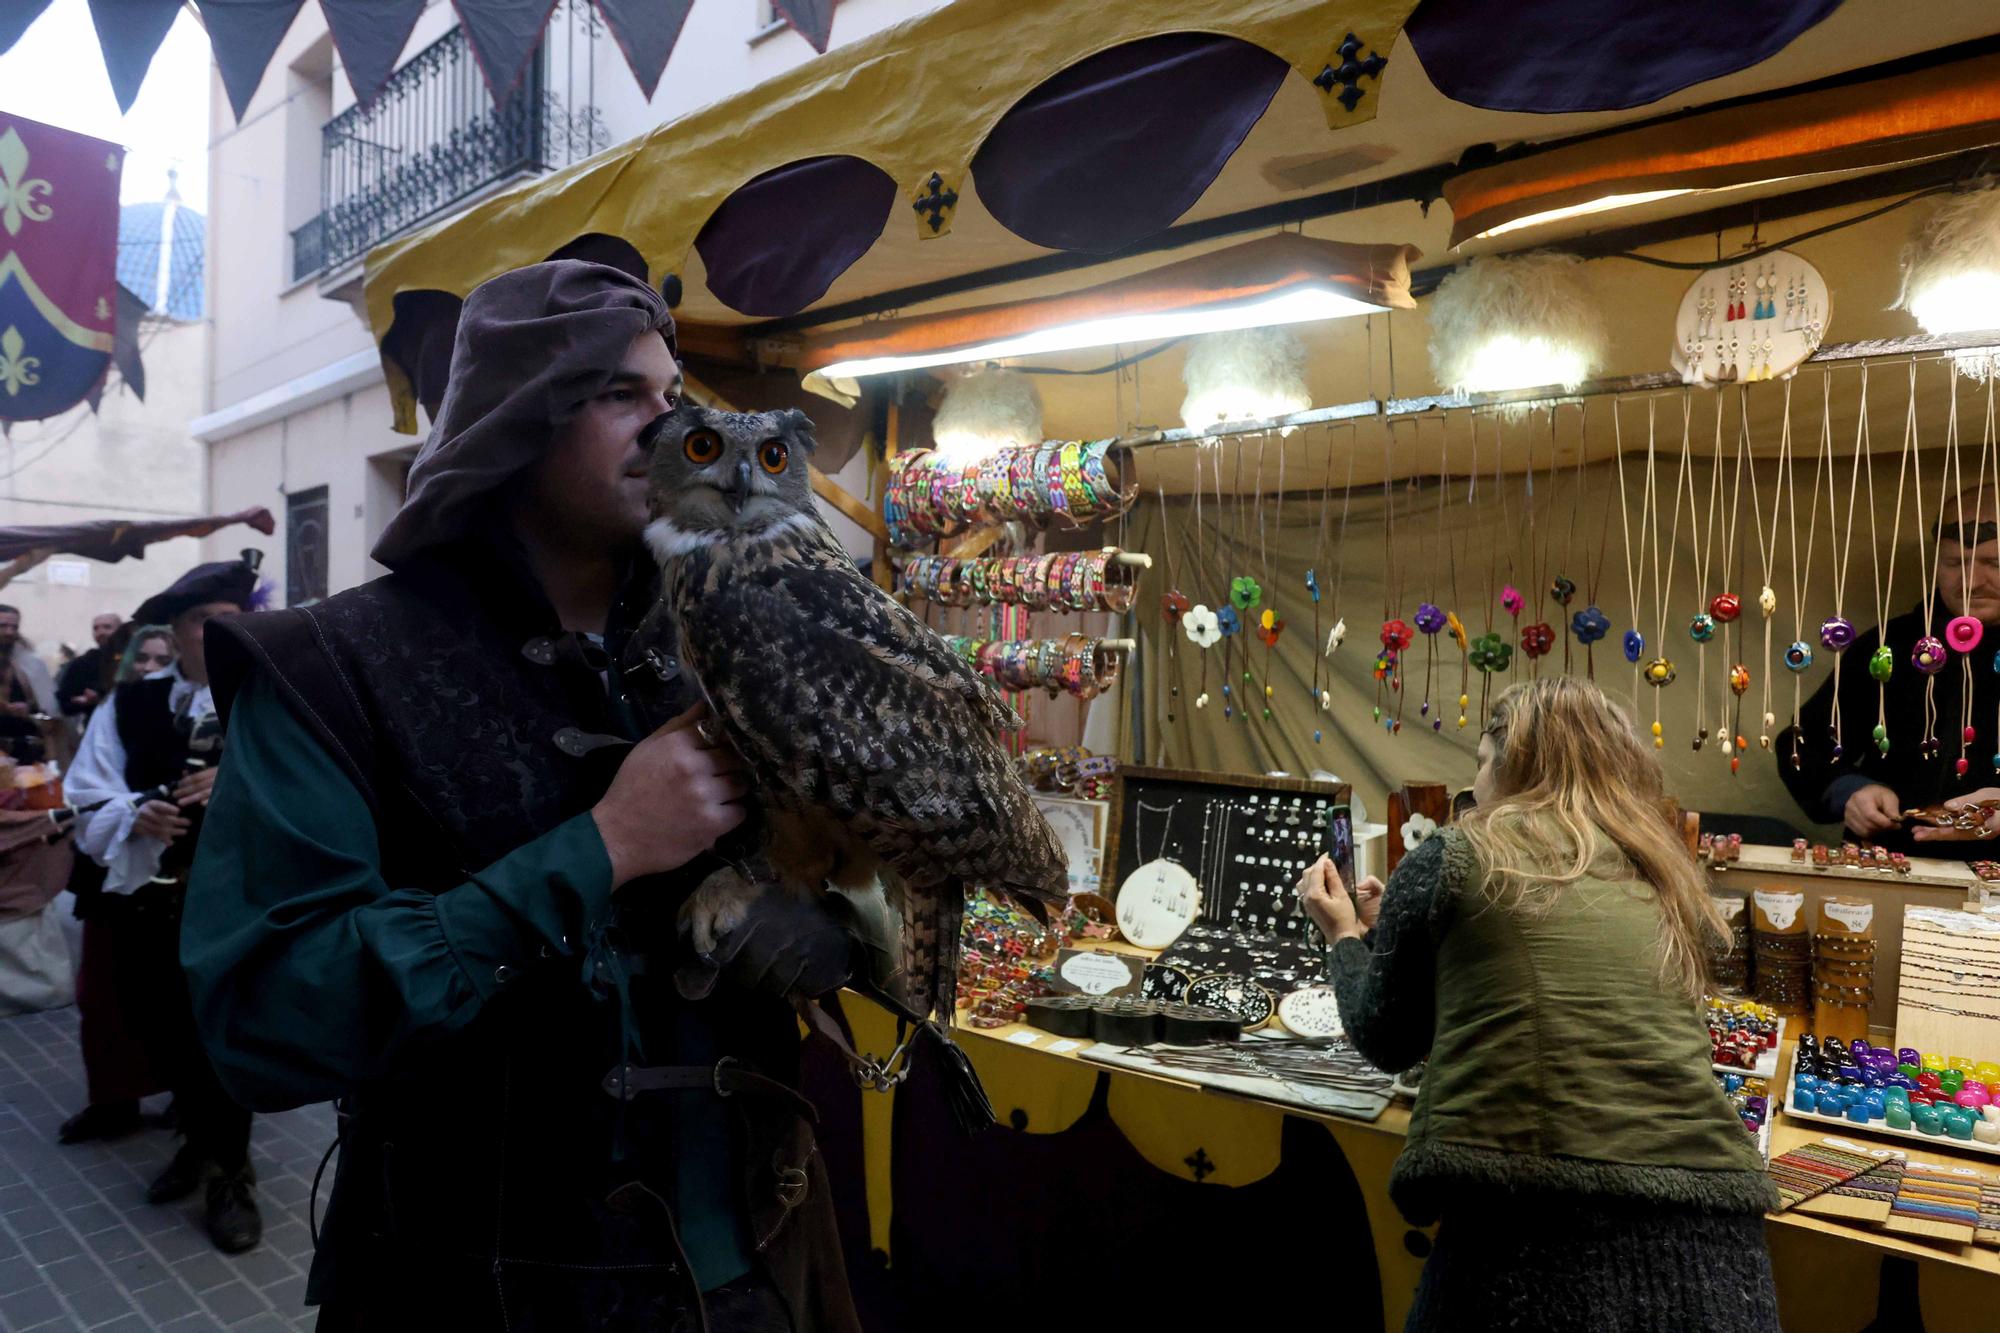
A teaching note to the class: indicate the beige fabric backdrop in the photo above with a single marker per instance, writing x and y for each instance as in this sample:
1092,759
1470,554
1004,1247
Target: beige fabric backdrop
1494,547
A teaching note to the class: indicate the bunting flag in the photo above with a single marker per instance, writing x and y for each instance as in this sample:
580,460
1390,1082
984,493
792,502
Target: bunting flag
371,34
58,258
813,19
129,32
646,31
503,35
245,34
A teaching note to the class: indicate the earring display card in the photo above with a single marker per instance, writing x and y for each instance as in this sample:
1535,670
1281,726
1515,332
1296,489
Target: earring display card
1246,840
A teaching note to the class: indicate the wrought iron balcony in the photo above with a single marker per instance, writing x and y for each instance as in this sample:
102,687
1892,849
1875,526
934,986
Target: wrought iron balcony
432,137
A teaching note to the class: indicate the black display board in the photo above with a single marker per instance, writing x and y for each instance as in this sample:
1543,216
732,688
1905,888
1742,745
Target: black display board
1246,841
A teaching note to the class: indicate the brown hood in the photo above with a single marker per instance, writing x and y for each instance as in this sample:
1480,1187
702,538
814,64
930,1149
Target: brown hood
532,346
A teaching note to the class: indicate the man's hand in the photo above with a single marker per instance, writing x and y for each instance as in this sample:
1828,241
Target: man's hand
1325,899
194,788
673,797
158,819
1873,809
1930,833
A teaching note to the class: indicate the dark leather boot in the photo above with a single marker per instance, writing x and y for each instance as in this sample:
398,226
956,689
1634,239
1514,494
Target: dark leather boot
181,1178
231,1216
102,1120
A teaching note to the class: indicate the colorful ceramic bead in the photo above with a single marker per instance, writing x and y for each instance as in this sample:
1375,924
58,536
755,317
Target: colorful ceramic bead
1725,606
1928,656
1964,633
1701,627
1562,590
1798,655
1836,633
1635,646
1881,664
1659,671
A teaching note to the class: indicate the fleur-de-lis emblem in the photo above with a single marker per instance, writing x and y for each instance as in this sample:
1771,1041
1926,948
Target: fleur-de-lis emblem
103,308
20,193
17,372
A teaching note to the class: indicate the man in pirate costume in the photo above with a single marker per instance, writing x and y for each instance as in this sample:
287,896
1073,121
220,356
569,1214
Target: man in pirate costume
1866,788
142,779
440,885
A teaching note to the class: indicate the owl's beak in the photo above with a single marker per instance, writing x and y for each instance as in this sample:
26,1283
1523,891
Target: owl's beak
739,492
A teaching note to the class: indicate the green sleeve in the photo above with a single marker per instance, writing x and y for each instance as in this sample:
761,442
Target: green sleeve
310,972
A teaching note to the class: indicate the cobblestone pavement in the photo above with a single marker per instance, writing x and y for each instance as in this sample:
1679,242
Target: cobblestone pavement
81,1249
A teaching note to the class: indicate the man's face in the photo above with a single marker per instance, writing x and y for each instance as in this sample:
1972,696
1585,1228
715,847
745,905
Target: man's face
102,628
590,488
10,629
1969,583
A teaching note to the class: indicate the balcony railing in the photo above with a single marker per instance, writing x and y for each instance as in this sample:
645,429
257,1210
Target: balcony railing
432,137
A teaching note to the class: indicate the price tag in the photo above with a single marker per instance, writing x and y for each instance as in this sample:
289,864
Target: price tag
1855,916
1779,906
1064,1047
1023,1038
1097,973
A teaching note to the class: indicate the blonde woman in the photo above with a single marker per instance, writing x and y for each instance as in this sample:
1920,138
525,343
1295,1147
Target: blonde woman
1546,955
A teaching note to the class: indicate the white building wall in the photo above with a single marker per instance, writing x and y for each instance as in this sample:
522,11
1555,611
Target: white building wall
272,338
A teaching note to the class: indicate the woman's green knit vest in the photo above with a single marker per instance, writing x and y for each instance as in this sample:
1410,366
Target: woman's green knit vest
1564,1061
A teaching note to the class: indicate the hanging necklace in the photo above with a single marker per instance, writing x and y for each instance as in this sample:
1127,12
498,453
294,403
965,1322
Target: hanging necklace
1727,607
1659,671
1430,616
1882,662
1269,626
1799,653
1836,632
1562,588
1634,642
1767,549
1451,620
1338,633
1991,447
1490,653
1319,696
1964,631
1537,639
1174,604
1395,635
1591,624
1701,626
1928,656
1239,587
1199,623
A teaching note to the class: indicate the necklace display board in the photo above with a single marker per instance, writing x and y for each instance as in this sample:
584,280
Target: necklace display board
1243,841
1948,994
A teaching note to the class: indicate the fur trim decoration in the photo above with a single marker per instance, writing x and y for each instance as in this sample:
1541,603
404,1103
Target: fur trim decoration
1244,375
985,411
1516,322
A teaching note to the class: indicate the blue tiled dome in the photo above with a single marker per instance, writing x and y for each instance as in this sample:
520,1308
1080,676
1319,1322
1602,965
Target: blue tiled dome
141,229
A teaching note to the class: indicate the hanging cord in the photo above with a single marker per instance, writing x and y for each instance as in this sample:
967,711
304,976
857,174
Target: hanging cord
1883,653
1270,588
1799,655
1928,650
1320,697
1174,588
1731,710
1767,548
1457,624
1991,446
1661,670
1339,630
1968,526
1702,625
1625,527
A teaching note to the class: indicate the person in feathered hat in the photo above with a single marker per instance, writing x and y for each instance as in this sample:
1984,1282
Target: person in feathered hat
147,763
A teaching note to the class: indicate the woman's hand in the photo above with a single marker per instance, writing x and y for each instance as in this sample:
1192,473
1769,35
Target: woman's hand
1930,833
1325,899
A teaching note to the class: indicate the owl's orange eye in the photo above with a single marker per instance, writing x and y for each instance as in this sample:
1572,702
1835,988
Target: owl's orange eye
702,446
773,454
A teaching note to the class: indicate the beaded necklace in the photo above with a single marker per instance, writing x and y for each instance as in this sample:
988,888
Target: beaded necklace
1320,698
1591,624
1727,607
1963,632
1634,643
1882,663
1430,616
1928,656
1173,604
1767,548
1659,671
1799,653
1269,625
1701,626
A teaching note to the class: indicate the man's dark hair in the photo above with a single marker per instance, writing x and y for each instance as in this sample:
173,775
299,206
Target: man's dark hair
5,610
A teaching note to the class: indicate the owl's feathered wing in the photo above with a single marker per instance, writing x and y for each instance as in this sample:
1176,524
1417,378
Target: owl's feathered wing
846,705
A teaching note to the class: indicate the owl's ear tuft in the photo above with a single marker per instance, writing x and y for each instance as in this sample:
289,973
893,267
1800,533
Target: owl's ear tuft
794,420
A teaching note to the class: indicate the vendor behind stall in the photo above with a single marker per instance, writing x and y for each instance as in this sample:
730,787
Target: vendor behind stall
1869,788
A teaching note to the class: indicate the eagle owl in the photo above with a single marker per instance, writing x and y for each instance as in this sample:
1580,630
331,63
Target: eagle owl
875,750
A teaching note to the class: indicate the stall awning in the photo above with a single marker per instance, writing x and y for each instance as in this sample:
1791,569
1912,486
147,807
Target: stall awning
990,134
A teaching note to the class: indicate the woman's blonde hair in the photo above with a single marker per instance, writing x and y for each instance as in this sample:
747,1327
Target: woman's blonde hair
1570,773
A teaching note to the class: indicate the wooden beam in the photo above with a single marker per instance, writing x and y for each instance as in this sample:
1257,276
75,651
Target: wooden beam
977,544
862,515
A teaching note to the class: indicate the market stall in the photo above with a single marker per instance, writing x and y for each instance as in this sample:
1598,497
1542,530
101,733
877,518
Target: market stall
1252,396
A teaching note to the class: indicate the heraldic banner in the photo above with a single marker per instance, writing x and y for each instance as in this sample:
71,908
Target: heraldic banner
58,265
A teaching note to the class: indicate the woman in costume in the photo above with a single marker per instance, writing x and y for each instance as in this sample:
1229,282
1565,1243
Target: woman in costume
1546,955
